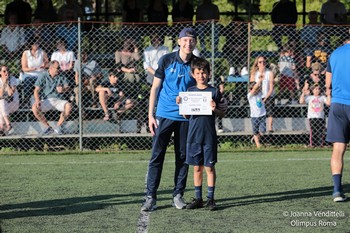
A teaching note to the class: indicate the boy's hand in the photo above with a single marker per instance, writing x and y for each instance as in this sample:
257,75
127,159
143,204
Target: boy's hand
178,100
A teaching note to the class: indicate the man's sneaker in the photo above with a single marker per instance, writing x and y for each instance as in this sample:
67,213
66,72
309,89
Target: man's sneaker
48,131
149,204
58,130
210,204
179,202
339,197
195,204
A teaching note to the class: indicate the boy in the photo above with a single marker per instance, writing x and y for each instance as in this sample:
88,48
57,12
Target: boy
111,96
315,112
257,111
202,138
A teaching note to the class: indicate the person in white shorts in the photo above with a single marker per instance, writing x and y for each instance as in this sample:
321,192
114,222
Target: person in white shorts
47,96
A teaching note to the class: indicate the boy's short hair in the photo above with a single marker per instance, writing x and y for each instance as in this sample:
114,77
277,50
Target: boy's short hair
201,64
115,72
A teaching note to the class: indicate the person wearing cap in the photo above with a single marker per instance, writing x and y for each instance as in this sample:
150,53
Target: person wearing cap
338,128
171,77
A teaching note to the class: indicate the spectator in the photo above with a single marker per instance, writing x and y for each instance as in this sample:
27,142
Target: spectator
65,58
235,49
12,38
33,61
316,77
319,53
288,79
284,15
315,112
157,11
111,95
70,7
127,61
182,11
257,111
260,71
195,51
206,12
45,11
20,8
333,12
68,31
310,31
131,11
9,100
151,56
91,74
48,96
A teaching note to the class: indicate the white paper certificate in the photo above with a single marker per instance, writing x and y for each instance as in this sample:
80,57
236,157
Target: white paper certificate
195,103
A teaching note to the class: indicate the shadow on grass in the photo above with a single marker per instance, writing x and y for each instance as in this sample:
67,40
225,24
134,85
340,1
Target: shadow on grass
279,196
66,206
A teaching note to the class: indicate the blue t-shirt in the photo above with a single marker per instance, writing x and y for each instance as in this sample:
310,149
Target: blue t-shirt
338,65
202,127
176,76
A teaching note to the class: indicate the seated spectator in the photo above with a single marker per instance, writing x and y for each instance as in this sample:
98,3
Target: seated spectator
289,81
206,12
33,61
9,100
310,31
22,9
151,56
65,59
127,61
235,49
71,6
91,74
12,38
45,11
111,95
319,53
48,91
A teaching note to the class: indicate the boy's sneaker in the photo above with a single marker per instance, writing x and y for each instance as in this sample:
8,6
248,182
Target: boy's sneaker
210,204
339,197
179,202
149,204
48,131
195,204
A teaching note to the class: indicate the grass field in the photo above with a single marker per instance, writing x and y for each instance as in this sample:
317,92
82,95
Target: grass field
285,191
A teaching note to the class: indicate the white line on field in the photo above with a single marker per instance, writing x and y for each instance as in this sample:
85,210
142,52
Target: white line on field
142,222
168,161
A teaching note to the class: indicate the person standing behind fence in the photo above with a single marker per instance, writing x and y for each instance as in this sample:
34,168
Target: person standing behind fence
315,112
171,77
338,129
259,70
257,111
202,139
47,96
45,11
284,15
333,12
22,9
9,99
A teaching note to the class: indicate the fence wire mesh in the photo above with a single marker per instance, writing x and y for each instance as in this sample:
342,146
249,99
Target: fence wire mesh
106,117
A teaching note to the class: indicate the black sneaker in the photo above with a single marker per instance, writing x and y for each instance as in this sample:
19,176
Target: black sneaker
195,204
210,204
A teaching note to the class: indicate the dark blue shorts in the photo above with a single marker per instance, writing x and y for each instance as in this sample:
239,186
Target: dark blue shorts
258,124
338,129
199,155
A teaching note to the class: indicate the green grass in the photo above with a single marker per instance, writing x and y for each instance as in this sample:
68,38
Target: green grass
102,193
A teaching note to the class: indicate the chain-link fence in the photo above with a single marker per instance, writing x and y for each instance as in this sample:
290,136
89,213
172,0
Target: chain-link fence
106,116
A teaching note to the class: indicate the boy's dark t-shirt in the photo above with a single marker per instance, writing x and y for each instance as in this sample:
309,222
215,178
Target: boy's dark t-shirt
202,127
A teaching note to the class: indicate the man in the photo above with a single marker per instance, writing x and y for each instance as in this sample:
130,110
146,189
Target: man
48,89
333,12
338,130
171,77
284,15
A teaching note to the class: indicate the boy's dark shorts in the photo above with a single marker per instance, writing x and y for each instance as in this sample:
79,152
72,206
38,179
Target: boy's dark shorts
201,154
338,129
